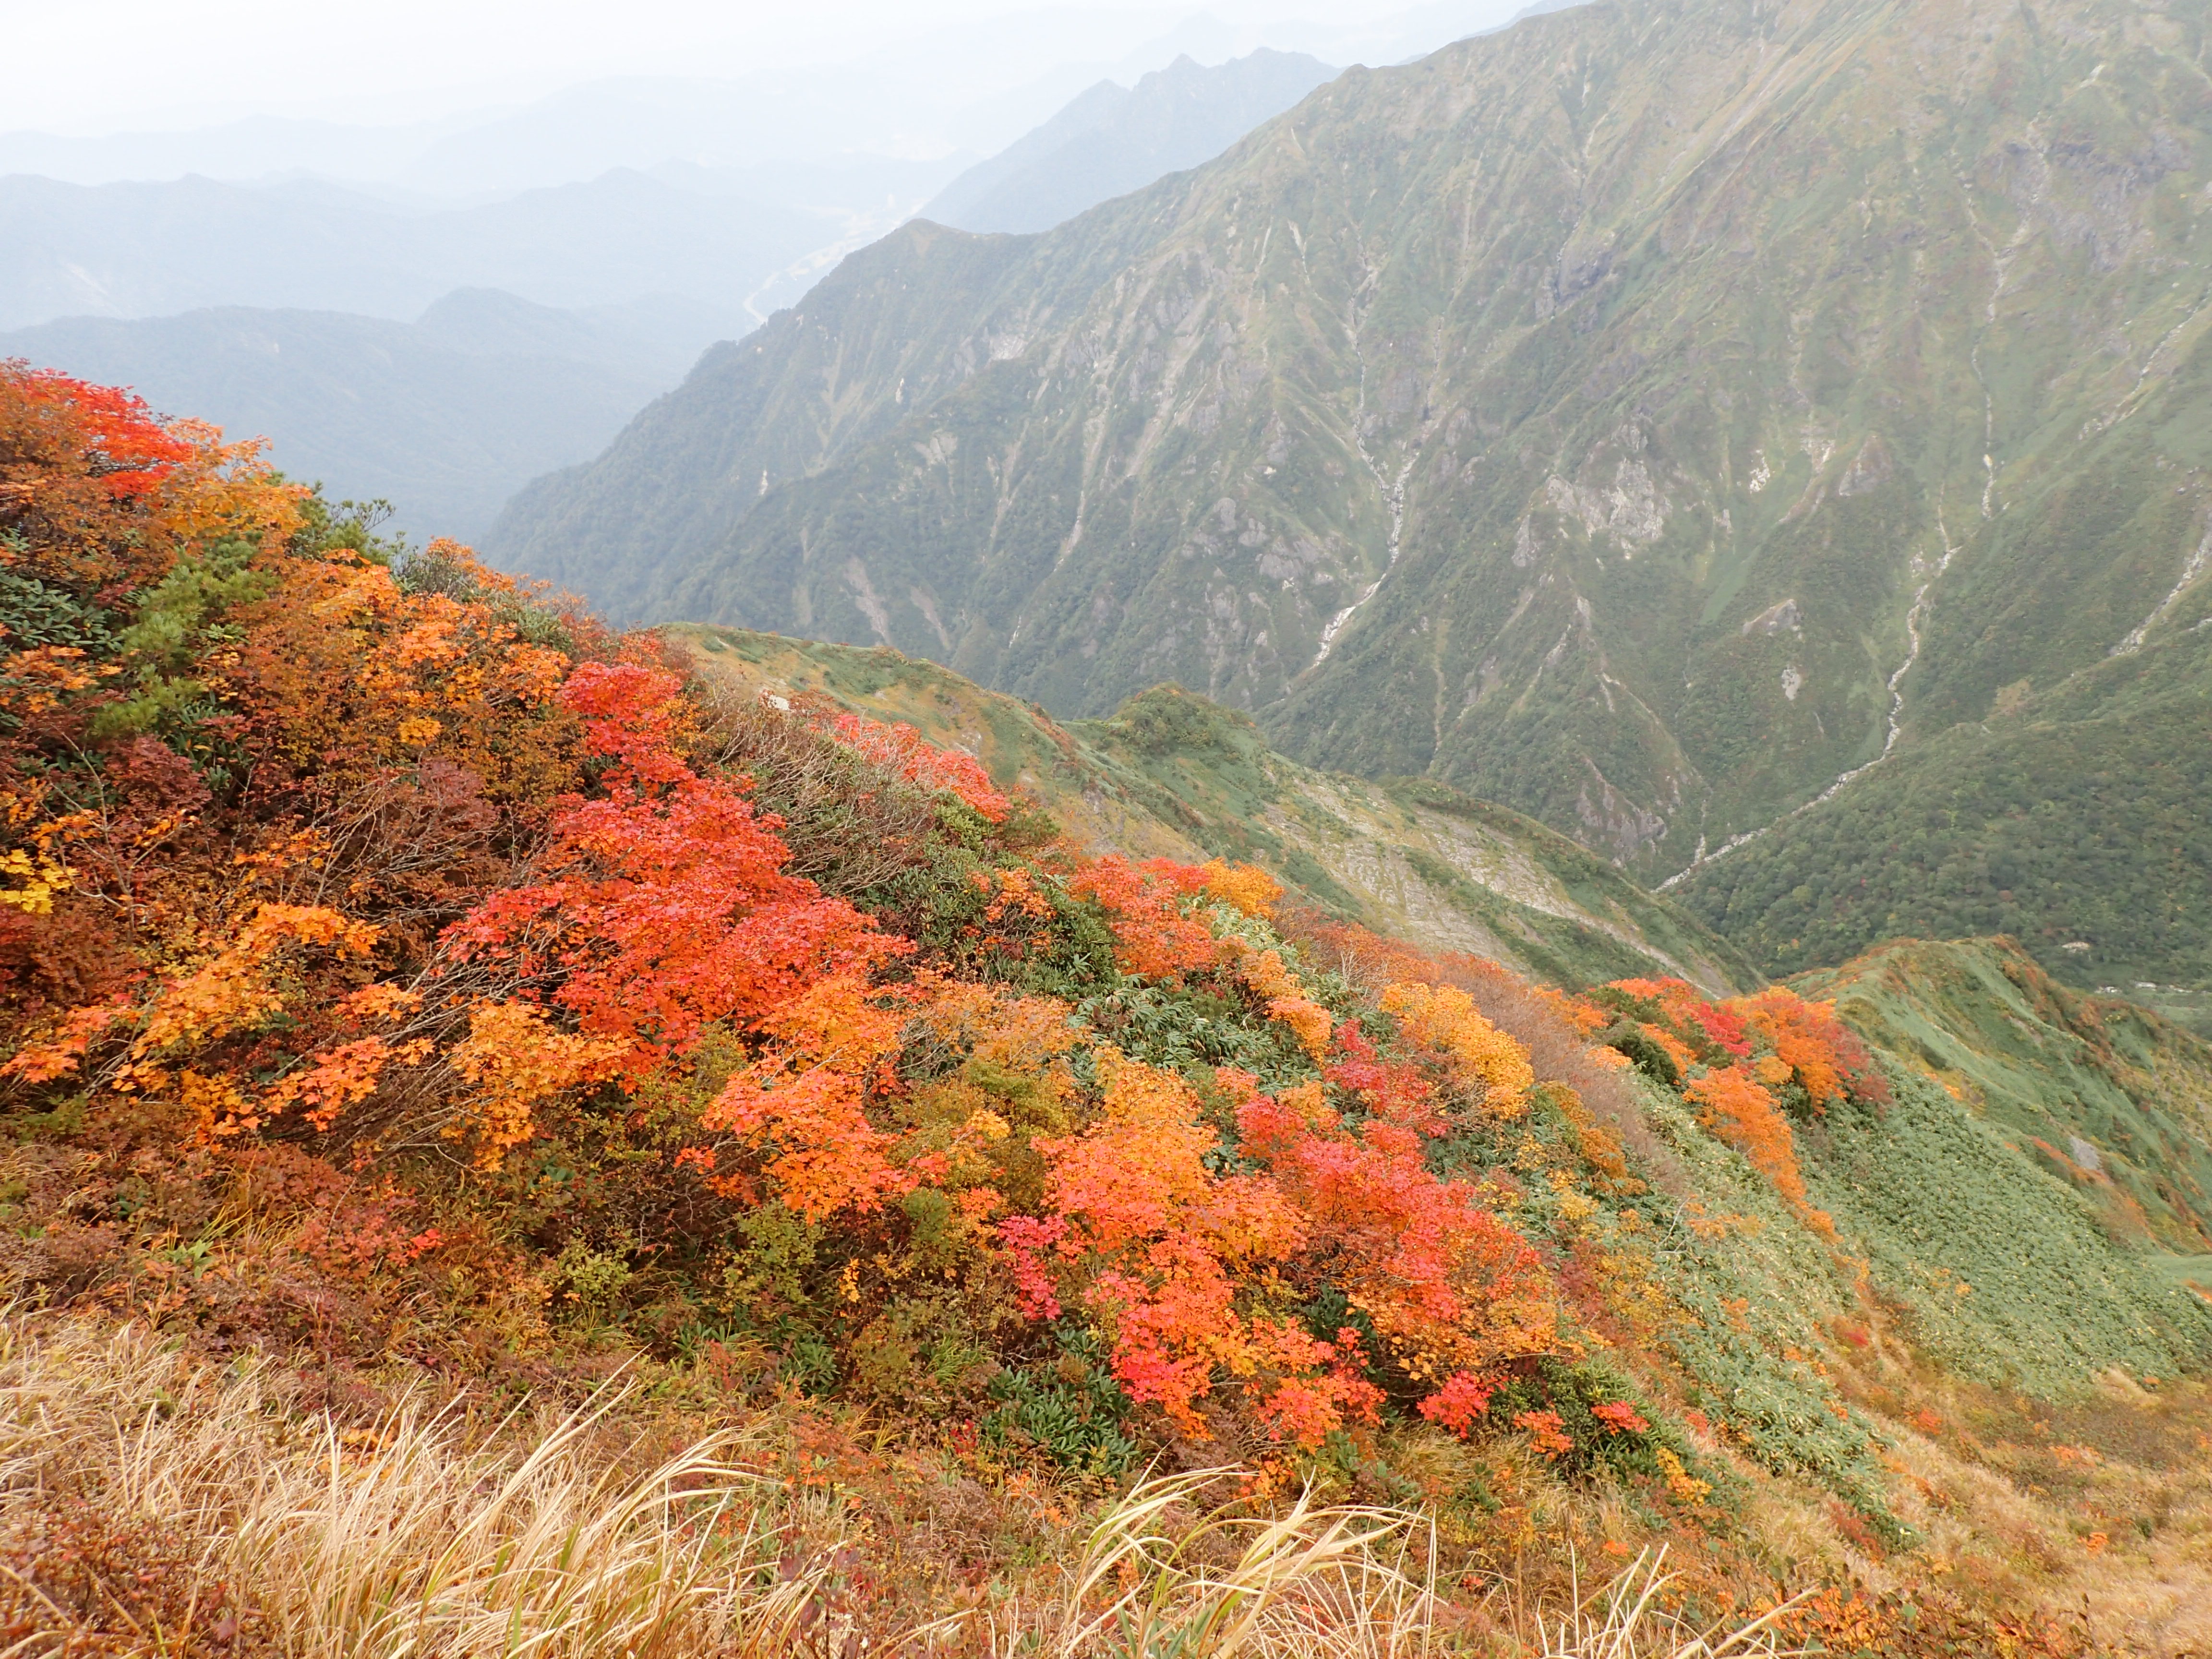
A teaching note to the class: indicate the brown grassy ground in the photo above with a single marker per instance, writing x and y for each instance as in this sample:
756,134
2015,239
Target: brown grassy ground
155,1503
157,1500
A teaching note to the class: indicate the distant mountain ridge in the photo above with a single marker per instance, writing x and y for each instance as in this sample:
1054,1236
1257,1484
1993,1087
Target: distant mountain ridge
1642,416
1113,140
443,417
958,89
140,250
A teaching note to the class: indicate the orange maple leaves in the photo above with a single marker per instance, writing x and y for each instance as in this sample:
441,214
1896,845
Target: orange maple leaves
1827,1061
664,905
108,494
1156,935
803,1105
901,750
1175,1253
112,433
1173,1250
1733,1055
1447,1287
1736,1107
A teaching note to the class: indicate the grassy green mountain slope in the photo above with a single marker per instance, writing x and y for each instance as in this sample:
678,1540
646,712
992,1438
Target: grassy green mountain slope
1601,416
1171,774
2114,1099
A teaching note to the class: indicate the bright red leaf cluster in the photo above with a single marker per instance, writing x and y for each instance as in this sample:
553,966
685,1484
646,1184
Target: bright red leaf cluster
900,749
662,905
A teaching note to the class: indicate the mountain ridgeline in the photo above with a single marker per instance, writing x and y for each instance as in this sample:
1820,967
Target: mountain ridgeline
1643,416
1114,139
443,417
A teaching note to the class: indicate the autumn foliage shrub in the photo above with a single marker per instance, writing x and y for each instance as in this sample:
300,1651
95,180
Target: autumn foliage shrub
1155,933
384,858
1744,1063
1554,1028
1785,1039
661,903
899,748
1735,1106
1821,1054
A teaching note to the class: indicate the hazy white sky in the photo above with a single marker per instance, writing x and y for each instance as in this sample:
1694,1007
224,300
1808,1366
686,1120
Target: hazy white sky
93,66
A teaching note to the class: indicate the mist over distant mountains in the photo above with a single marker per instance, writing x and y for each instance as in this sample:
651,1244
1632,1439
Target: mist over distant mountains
297,310
137,250
953,92
444,416
1114,139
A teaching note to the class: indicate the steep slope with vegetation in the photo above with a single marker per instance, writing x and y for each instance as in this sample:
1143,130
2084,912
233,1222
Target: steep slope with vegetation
2109,1096
415,994
1173,775
1639,417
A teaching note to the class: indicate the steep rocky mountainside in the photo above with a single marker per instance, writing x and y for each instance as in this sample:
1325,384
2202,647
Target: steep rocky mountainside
1172,776
1116,139
1645,416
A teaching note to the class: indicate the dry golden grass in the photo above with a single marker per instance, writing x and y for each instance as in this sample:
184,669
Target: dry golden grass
228,1523
2056,1526
1627,1619
2093,1512
1348,1581
155,1504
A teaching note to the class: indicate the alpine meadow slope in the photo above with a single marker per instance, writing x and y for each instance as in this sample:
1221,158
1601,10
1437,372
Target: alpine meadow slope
1645,416
520,1136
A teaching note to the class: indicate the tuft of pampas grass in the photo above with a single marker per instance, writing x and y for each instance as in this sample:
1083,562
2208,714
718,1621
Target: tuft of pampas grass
1624,1620
419,1536
1352,1580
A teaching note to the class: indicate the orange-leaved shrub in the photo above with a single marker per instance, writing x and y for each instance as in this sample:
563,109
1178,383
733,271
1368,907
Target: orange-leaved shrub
1155,933
1729,1058
1822,1055
661,903
900,749
1735,1105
